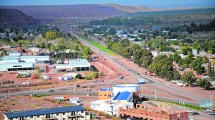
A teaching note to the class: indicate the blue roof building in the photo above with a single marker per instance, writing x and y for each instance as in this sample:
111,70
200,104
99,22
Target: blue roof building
58,113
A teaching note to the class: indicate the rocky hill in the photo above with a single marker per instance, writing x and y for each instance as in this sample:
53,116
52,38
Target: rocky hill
69,11
13,17
129,9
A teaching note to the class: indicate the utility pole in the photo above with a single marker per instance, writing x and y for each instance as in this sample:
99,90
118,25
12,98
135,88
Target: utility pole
74,88
155,94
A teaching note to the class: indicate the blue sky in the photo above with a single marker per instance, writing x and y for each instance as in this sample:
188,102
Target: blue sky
147,3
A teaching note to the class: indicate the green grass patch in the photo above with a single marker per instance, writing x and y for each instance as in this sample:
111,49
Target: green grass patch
184,105
96,44
39,95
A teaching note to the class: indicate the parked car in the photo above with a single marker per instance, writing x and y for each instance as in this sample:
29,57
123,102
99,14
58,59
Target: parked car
95,81
175,81
194,113
212,113
208,111
51,91
121,77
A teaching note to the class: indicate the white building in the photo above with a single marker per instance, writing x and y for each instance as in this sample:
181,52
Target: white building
110,107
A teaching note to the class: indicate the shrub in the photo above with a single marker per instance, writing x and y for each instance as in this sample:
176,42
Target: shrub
78,76
102,74
92,75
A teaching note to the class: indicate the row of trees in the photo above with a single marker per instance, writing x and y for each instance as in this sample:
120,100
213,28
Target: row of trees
161,65
189,78
190,61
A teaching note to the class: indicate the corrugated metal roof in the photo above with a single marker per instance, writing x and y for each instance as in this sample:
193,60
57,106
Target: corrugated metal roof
122,96
10,58
4,67
44,111
74,63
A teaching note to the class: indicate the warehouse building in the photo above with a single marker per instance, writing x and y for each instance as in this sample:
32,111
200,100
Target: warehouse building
58,113
75,64
16,66
14,61
9,59
35,59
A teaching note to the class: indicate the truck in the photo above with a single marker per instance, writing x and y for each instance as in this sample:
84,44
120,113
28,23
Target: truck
141,81
75,100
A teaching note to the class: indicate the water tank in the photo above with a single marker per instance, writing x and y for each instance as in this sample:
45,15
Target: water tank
125,87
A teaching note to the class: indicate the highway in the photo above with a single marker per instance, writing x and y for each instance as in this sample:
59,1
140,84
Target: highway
173,90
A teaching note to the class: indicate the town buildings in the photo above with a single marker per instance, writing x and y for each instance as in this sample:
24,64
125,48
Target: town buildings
58,113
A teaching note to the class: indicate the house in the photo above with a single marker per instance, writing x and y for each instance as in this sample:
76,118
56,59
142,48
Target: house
58,113
105,94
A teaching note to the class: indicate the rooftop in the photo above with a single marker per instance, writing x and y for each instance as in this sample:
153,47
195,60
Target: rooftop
43,111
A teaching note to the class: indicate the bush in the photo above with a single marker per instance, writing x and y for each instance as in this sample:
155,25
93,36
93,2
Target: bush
92,75
78,76
37,74
102,74
88,78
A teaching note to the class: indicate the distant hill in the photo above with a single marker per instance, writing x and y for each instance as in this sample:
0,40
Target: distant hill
68,11
13,17
91,11
129,9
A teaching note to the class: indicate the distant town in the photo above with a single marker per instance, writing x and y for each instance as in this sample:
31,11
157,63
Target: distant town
141,65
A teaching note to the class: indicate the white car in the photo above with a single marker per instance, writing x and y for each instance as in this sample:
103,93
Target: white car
175,81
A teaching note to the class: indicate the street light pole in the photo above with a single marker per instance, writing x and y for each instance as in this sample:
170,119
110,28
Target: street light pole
211,101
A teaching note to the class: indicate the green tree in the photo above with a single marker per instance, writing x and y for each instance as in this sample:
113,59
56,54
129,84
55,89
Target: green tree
50,35
161,65
86,52
196,64
146,58
189,78
37,73
176,57
186,50
204,83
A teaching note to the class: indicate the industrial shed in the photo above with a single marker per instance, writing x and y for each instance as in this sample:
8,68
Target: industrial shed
75,64
9,59
35,59
16,66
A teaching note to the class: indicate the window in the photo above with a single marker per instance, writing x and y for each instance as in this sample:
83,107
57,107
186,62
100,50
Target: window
38,116
57,113
64,119
31,116
17,66
63,113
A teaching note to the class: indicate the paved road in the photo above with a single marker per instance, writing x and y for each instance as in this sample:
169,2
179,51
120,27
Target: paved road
134,72
114,63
